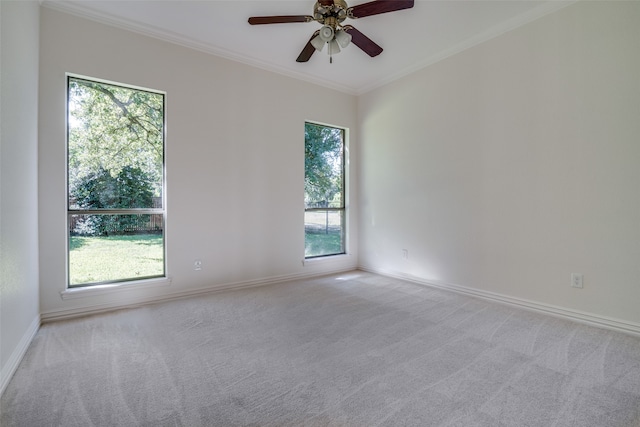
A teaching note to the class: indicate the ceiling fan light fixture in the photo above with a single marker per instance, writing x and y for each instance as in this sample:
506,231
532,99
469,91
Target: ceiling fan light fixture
333,47
318,43
326,33
343,38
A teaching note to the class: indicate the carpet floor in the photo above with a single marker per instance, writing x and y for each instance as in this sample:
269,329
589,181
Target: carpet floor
355,349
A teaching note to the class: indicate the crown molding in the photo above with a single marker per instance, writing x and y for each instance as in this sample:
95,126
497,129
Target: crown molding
86,12
495,31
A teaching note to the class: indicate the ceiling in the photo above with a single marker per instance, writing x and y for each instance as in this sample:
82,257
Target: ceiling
411,38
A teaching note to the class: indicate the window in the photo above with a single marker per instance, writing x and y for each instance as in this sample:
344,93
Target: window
115,183
324,195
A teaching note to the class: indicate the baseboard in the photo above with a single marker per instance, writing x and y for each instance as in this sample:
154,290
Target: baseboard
18,353
562,312
56,315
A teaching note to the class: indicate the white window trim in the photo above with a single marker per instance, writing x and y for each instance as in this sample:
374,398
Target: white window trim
327,259
346,167
111,288
77,291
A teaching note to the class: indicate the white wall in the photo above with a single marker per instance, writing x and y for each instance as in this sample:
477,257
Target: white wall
509,166
234,158
19,315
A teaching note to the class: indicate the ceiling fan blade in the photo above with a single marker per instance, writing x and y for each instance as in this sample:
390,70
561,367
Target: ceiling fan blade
285,19
363,42
377,7
308,49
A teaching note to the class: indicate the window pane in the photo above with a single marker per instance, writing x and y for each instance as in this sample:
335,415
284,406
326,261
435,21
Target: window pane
324,167
324,194
109,248
324,233
115,146
115,164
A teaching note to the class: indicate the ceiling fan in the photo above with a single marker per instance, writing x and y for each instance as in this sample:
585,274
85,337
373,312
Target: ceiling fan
331,14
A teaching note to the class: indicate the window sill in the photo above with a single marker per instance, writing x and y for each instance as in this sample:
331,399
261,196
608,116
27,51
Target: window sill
89,291
329,259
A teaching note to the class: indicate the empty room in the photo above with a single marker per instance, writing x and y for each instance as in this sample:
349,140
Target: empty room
331,213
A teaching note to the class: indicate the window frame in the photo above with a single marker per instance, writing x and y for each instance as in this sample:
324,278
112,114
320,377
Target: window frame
343,195
130,211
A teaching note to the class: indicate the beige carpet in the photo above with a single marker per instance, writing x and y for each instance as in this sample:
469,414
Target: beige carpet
347,350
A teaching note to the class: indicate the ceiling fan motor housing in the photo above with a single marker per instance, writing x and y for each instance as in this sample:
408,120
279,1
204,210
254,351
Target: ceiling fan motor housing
331,15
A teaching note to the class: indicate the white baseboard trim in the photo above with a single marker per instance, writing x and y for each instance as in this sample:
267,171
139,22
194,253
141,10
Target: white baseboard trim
56,315
18,353
562,312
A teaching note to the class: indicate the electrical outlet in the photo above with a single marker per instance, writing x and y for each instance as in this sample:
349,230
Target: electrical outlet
576,280
197,265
